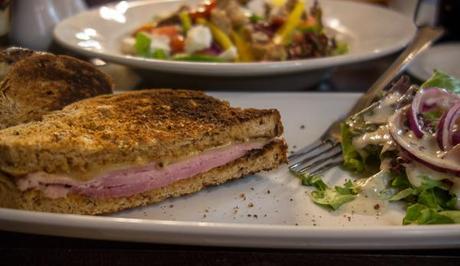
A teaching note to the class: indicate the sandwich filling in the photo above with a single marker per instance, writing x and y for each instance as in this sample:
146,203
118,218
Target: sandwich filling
137,179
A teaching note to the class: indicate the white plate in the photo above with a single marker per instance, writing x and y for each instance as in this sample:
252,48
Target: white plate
371,32
443,57
225,215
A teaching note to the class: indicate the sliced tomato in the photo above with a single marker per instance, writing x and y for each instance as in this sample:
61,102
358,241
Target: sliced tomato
177,43
175,36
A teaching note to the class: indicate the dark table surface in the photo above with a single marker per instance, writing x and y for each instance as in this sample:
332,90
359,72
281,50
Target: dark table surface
25,249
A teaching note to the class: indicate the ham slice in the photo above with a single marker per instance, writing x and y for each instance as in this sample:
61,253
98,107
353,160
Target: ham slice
138,179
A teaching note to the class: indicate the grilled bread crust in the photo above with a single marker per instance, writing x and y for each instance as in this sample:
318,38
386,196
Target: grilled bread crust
36,83
130,128
271,156
10,56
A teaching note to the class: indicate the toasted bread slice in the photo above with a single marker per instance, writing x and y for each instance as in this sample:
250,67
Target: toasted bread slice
131,128
272,155
35,83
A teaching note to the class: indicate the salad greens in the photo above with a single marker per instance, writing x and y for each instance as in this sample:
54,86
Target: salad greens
352,160
442,80
328,197
430,189
236,31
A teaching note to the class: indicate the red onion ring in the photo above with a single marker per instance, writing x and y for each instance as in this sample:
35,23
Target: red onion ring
415,151
445,128
428,97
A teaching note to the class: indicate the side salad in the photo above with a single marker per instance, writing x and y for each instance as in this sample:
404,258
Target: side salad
236,31
409,142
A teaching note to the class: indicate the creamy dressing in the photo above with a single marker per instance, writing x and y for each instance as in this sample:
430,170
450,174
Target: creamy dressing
425,144
379,115
383,110
372,198
379,137
417,173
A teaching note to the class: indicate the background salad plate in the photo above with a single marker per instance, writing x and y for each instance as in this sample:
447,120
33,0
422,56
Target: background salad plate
370,31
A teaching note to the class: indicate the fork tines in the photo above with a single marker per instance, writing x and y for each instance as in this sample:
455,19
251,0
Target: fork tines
316,157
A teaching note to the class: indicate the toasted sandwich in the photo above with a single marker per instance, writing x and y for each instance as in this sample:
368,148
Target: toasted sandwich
35,83
114,152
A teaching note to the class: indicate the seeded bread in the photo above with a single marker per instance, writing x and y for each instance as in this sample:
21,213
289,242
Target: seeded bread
35,83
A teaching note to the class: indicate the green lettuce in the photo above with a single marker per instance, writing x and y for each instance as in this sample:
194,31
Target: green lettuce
454,215
142,44
352,161
433,204
198,58
159,54
420,214
403,194
342,48
442,80
325,196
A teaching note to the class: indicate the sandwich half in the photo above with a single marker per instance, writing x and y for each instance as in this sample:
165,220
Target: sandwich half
36,83
114,152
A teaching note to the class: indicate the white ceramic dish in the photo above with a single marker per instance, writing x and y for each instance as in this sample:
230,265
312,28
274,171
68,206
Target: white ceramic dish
443,57
371,32
267,210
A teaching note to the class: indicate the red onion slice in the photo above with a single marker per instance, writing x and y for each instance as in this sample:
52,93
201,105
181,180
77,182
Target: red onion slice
446,125
455,138
414,147
424,98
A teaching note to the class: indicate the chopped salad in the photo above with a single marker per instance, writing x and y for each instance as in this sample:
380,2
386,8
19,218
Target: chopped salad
236,31
408,142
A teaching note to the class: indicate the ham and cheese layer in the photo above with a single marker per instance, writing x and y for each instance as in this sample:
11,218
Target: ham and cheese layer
134,180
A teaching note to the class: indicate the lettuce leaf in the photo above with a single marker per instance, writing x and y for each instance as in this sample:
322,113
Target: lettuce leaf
434,204
403,194
442,80
142,44
454,215
325,196
435,194
400,181
352,161
420,214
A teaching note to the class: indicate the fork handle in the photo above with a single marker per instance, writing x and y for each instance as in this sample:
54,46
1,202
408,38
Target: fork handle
422,40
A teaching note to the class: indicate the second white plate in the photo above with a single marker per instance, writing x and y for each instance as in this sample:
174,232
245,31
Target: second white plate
443,57
370,31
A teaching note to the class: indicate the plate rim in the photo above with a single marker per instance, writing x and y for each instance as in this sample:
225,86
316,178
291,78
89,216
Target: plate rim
254,235
233,69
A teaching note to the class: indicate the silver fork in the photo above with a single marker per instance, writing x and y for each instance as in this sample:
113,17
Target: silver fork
326,152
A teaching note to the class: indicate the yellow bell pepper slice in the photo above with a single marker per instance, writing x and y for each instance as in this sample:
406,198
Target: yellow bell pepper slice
185,20
221,37
244,50
284,33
